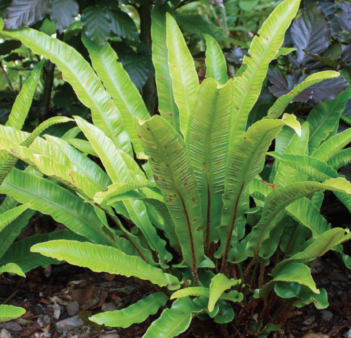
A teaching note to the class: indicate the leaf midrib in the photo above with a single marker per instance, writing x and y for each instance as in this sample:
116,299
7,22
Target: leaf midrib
175,187
152,276
320,125
68,66
59,207
260,64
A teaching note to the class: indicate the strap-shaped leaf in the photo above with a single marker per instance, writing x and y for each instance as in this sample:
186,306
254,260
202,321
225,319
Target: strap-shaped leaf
283,173
308,165
208,140
10,162
9,230
280,199
317,170
19,252
264,47
107,151
9,216
280,105
241,169
43,126
120,87
84,81
182,69
24,99
120,191
284,51
293,274
58,202
39,145
283,139
119,172
83,163
325,117
297,273
100,258
68,175
168,225
346,119
12,268
319,247
83,146
136,313
72,133
175,177
306,213
95,173
9,312
166,103
219,284
340,159
174,321
216,66
330,147
233,296
7,204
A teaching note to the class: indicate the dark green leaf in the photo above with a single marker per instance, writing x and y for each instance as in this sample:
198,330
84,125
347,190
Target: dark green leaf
65,96
96,22
344,15
123,25
3,5
48,27
25,12
20,254
248,5
303,293
137,66
195,24
311,32
8,46
346,53
62,12
236,55
325,61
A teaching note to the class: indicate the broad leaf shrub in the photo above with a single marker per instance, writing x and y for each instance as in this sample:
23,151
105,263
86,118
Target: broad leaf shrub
320,43
199,183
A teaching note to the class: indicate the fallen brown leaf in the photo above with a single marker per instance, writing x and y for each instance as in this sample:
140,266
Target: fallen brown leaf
315,335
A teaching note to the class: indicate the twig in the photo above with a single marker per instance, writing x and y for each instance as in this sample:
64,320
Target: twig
7,78
12,295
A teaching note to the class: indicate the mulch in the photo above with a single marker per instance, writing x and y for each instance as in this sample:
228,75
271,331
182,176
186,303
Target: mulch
47,294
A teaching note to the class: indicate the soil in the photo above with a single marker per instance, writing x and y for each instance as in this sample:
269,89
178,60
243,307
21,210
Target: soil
63,292
47,296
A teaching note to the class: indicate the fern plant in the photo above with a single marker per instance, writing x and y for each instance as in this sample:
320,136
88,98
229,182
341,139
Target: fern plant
199,184
8,312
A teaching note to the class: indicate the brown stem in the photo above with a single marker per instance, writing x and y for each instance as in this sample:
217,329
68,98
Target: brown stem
11,296
283,314
49,70
247,270
262,271
292,237
253,275
149,89
7,78
266,311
